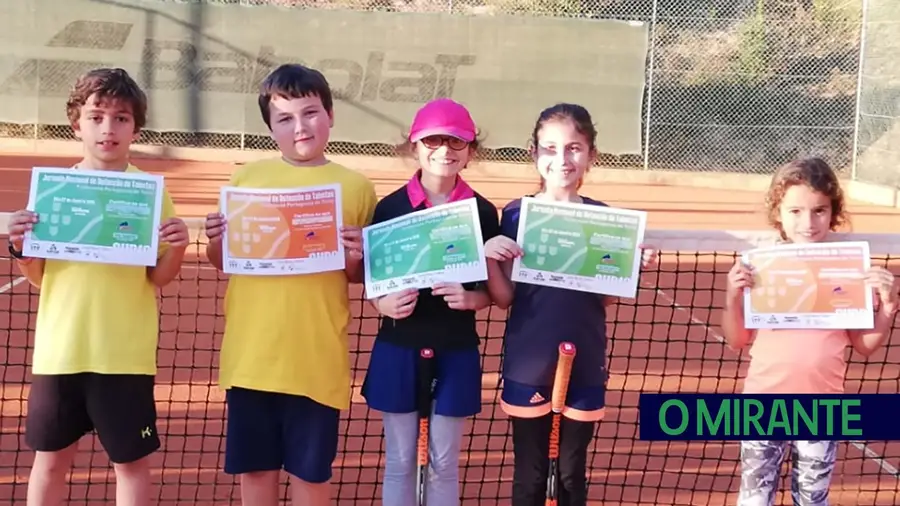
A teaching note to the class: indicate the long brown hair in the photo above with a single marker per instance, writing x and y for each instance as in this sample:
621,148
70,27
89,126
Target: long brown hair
580,118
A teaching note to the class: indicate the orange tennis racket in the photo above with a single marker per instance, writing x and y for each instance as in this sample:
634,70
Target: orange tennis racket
425,396
557,403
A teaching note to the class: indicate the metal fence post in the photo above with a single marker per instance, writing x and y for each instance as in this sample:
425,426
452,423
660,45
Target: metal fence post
651,64
863,29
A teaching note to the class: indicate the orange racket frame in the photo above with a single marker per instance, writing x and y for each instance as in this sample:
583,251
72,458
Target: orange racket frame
557,405
425,396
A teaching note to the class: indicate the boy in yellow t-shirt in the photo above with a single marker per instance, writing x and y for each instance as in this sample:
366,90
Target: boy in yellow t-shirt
285,360
97,324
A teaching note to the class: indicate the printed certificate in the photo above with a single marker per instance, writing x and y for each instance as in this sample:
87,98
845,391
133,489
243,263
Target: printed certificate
810,286
417,250
278,232
95,216
580,247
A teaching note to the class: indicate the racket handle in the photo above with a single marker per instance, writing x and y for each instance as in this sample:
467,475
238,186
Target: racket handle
426,378
563,373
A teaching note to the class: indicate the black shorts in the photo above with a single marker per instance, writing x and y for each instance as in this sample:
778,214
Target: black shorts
120,407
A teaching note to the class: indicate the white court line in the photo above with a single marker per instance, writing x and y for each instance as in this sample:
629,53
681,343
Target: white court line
862,446
21,279
670,299
12,284
878,459
198,267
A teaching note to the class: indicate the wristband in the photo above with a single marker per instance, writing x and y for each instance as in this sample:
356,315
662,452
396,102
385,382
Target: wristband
19,255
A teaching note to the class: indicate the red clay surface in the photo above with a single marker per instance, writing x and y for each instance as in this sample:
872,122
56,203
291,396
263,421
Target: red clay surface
665,342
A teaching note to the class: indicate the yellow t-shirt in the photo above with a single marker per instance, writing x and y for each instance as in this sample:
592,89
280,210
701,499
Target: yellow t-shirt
288,334
98,318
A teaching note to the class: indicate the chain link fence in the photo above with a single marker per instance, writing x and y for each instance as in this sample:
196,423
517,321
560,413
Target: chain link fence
878,131
729,85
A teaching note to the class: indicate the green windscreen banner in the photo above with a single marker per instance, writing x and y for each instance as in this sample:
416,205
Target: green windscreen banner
201,65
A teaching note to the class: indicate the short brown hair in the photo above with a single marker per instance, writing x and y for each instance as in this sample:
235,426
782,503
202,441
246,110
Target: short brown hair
814,173
293,80
108,84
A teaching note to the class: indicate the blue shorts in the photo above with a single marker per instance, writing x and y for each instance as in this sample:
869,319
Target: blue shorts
268,431
390,384
587,398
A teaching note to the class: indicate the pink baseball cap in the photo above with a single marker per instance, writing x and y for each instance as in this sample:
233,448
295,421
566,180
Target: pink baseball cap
442,116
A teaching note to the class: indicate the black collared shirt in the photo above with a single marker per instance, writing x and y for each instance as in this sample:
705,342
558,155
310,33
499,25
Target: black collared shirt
432,323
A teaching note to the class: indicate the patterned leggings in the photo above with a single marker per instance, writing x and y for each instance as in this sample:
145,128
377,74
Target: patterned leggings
813,462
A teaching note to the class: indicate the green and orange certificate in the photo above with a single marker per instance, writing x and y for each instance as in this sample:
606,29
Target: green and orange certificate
282,231
809,286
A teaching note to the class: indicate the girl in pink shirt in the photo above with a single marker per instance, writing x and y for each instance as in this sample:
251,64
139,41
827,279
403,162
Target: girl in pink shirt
805,203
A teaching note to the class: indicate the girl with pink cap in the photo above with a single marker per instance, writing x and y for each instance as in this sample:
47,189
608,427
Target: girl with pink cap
442,141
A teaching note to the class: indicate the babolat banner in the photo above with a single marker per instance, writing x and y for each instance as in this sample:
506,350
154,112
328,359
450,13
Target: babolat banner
201,65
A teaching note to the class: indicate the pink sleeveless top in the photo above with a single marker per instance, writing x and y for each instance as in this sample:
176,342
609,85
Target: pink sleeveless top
797,362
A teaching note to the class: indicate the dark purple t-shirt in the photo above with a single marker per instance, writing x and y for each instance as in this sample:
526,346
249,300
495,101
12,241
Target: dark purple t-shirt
541,317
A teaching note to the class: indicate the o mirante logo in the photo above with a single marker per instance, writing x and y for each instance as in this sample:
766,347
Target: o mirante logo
736,417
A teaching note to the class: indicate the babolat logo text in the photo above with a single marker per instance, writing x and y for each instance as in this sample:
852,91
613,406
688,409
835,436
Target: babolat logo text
180,65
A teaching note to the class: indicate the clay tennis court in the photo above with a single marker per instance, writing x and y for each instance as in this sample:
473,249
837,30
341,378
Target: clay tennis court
667,341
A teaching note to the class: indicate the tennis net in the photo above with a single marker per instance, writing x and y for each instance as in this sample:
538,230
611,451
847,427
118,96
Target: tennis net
666,340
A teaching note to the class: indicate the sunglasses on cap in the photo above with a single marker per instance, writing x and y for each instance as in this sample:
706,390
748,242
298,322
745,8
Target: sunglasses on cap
436,141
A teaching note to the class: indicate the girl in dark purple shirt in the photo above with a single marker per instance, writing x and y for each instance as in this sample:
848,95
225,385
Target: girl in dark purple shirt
540,318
